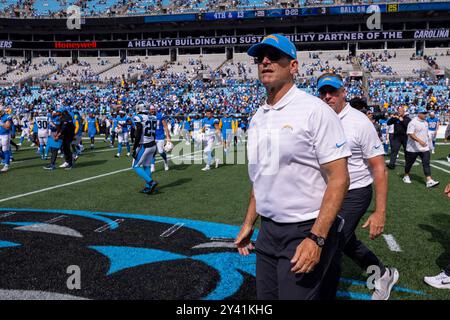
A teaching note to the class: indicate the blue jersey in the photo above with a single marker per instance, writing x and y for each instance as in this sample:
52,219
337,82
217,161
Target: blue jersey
383,126
5,118
432,124
208,124
186,125
123,122
227,124
159,133
92,126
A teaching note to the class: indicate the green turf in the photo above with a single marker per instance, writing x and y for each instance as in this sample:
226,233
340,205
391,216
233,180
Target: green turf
418,217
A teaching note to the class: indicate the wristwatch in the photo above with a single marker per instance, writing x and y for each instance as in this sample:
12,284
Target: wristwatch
320,241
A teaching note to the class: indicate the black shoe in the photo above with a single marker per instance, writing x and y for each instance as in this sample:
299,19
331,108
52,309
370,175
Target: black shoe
68,168
149,190
390,167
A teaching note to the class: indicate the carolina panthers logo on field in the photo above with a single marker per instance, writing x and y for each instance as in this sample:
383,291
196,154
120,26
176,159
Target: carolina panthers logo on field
125,256
121,256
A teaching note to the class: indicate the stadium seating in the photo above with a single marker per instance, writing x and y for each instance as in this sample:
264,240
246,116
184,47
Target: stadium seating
393,62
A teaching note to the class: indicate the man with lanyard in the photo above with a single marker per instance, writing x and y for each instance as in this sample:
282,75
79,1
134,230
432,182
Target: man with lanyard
366,167
5,137
144,148
433,128
297,155
161,133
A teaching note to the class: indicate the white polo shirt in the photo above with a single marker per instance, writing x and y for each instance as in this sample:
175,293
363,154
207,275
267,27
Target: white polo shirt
364,144
287,143
420,129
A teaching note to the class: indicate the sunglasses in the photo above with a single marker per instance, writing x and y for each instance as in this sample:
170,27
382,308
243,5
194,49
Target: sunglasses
272,55
327,90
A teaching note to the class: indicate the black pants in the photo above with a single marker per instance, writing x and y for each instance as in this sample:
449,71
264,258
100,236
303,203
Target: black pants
67,150
275,247
447,270
411,157
354,207
54,152
396,143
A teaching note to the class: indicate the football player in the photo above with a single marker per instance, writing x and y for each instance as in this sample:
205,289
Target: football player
384,133
91,127
5,137
144,148
25,124
161,133
433,127
42,123
226,126
121,124
210,128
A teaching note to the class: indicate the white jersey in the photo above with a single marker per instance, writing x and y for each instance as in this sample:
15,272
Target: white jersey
43,124
149,124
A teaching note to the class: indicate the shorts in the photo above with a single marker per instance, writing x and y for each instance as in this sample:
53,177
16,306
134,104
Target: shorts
144,156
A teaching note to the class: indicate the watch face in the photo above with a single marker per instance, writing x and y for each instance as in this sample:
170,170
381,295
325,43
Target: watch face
320,241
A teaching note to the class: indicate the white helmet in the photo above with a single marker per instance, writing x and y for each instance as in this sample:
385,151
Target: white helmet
168,146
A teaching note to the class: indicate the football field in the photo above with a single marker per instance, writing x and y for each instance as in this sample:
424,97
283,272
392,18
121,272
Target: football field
94,217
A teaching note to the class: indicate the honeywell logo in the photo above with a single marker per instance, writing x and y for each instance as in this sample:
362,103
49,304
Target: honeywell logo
75,45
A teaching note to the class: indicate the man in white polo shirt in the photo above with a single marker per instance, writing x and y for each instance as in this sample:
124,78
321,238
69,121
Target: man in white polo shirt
366,167
298,166
418,145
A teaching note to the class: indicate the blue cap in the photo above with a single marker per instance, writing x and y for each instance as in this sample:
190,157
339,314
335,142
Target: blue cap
278,42
330,81
422,110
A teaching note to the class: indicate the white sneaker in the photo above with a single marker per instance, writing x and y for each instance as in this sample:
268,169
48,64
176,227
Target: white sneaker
188,143
128,154
19,144
5,168
118,155
166,167
383,286
152,168
64,165
407,179
441,281
206,168
32,145
448,159
431,183
432,151
217,163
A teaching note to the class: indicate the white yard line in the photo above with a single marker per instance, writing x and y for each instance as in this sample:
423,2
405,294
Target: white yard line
392,244
76,182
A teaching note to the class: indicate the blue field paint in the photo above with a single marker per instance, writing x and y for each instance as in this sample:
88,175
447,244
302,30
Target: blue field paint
128,257
353,295
395,288
209,229
20,224
228,265
8,244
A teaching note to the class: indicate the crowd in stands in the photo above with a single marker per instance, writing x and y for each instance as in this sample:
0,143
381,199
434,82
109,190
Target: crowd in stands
107,8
